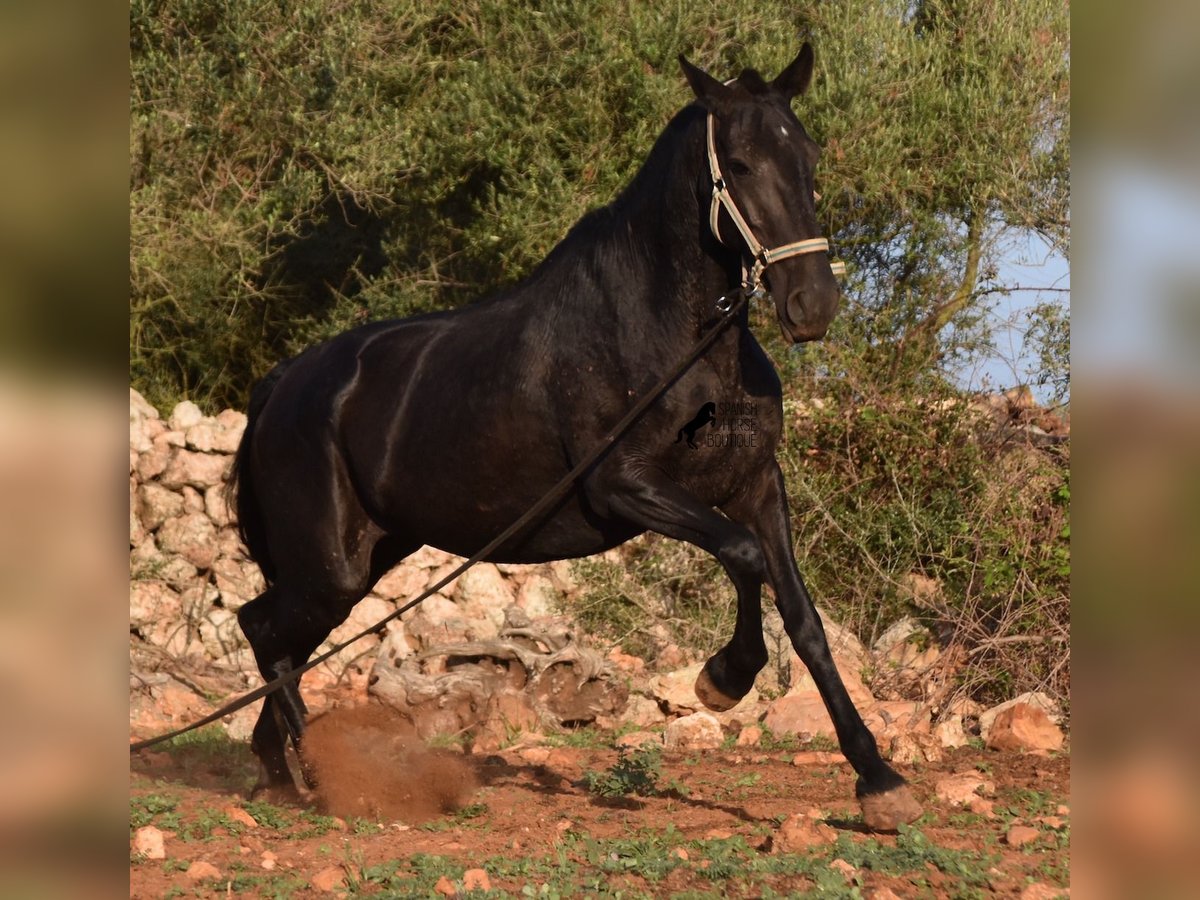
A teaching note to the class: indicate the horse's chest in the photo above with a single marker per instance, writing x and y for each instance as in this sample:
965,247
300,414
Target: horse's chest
716,447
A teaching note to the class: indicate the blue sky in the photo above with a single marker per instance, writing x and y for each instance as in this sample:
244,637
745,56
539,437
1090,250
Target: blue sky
1044,276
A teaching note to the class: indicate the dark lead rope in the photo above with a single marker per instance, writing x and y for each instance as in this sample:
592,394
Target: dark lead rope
727,306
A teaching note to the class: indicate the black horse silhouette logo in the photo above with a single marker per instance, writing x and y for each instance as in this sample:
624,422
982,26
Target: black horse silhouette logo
706,416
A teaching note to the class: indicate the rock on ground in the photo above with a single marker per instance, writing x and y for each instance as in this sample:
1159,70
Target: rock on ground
1024,728
802,831
699,731
1033,698
959,790
150,842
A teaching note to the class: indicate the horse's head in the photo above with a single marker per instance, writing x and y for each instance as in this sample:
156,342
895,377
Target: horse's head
765,161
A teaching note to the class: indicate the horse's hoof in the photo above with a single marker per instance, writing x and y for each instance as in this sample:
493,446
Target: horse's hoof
711,697
278,794
891,809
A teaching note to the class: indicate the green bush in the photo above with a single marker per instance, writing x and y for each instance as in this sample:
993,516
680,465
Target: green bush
882,486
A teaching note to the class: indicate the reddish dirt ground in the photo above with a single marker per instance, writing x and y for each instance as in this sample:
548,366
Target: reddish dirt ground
535,828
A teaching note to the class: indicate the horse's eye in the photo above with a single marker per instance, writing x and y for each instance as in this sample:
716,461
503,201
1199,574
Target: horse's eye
737,167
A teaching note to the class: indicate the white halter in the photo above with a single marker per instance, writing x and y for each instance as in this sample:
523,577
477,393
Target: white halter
762,256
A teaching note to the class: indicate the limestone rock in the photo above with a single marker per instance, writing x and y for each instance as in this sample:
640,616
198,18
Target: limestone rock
476,880
897,633
906,748
642,711
635,739
482,592
950,733
802,681
818,758
185,415
1024,728
676,689
200,470
219,435
699,731
367,612
238,581
191,536
749,736
437,622
801,832
1020,835
217,508
403,583
961,789
329,879
202,870
150,842
538,596
220,633
139,406
801,713
154,461
1042,701
156,504
144,423
887,717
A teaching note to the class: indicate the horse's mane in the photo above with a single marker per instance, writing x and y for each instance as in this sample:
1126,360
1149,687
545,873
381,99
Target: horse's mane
611,232
607,229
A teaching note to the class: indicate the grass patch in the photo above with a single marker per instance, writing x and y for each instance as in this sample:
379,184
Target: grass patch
588,737
268,815
145,809
911,854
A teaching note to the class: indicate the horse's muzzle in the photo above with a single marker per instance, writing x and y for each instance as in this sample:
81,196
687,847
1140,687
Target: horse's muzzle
809,310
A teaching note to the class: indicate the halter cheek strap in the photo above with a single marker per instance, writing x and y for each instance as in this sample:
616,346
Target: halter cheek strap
761,255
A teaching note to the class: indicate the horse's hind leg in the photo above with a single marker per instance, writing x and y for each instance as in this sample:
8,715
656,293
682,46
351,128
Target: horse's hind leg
318,584
279,647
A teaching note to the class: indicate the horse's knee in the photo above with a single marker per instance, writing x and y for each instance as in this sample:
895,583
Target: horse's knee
744,555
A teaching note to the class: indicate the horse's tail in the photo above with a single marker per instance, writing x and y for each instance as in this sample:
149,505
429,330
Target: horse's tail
239,489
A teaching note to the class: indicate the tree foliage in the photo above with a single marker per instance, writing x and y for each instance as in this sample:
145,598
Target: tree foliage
301,166
947,129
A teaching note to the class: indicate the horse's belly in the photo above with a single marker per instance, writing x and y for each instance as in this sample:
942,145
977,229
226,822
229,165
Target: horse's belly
569,532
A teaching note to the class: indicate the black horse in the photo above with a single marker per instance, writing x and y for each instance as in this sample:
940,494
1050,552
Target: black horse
443,429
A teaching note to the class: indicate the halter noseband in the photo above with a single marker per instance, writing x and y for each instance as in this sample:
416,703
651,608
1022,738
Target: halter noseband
762,256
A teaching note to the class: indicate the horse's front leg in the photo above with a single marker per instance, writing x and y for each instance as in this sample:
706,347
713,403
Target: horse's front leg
886,799
655,503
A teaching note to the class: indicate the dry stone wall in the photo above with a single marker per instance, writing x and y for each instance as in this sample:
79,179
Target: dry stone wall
490,642
189,572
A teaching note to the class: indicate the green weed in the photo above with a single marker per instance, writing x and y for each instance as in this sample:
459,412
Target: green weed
144,809
635,772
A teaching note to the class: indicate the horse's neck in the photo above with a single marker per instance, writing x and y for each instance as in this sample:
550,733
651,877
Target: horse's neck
669,277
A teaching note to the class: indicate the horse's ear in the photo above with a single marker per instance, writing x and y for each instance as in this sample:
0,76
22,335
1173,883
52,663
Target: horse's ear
712,94
793,81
